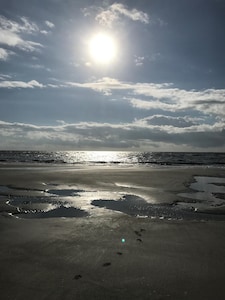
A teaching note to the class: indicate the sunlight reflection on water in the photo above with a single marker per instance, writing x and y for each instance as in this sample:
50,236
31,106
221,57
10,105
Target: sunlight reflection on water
98,157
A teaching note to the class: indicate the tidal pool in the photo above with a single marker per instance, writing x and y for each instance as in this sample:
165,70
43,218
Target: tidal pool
204,201
205,193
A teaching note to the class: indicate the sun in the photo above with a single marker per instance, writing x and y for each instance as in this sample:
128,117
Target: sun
102,48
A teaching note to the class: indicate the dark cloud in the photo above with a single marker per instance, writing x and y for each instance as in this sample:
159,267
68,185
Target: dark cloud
171,121
106,136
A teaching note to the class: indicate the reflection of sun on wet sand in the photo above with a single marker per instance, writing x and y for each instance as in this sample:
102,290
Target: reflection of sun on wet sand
108,254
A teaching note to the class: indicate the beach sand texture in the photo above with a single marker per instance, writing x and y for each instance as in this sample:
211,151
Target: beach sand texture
110,255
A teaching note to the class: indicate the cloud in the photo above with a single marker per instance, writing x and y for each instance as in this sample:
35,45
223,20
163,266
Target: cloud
39,67
25,25
114,12
49,24
109,84
133,14
137,135
4,76
106,18
104,85
139,60
179,122
20,84
160,96
4,54
13,40
44,32
148,105
11,34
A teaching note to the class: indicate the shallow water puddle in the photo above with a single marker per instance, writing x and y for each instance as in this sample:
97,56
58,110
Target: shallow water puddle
53,203
60,201
138,207
208,193
67,201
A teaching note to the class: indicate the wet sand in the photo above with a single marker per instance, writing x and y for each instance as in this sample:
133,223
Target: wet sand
110,255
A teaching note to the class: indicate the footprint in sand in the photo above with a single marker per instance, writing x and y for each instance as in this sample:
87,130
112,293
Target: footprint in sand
76,277
107,264
137,233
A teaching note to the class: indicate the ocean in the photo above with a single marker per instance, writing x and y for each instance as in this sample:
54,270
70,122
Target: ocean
114,157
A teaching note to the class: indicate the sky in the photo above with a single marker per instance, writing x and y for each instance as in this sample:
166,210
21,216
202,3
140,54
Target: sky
159,86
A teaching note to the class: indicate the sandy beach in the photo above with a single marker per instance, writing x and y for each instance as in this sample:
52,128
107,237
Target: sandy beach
108,254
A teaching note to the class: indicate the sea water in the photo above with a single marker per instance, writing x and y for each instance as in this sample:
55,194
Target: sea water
114,157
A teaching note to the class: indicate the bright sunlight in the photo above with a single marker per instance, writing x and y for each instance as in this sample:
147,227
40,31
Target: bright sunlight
102,48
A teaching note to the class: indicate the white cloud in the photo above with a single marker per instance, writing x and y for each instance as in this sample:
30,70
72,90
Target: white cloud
4,76
24,26
133,14
20,84
104,85
44,32
106,18
13,40
49,24
139,60
114,12
147,105
11,34
9,38
27,26
52,85
160,96
107,84
4,54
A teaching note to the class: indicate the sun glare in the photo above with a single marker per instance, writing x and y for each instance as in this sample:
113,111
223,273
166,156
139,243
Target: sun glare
102,48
